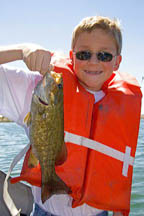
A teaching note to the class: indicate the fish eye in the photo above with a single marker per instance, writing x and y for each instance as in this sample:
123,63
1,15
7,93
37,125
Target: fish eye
60,86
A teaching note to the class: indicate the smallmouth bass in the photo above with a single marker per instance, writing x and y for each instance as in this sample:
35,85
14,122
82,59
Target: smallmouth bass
46,133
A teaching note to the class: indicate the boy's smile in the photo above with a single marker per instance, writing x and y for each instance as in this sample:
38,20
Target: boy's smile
91,71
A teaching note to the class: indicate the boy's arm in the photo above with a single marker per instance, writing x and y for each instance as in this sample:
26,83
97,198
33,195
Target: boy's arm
10,53
35,57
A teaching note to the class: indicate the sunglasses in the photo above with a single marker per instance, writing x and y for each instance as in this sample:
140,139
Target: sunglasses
101,56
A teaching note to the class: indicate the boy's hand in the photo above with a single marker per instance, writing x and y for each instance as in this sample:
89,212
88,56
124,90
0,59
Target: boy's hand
36,58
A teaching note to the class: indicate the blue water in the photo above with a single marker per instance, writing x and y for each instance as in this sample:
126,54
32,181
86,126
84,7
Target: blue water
13,139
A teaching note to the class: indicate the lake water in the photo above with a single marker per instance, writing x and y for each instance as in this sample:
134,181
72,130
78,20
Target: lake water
13,139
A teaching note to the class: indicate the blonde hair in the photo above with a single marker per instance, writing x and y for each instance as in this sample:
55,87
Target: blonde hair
89,24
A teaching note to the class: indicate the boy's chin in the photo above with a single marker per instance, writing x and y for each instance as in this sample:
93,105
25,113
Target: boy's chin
93,87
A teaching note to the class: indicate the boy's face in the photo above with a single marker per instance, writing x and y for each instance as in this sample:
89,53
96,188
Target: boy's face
92,73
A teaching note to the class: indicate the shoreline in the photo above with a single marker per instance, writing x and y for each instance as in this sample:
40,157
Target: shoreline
4,119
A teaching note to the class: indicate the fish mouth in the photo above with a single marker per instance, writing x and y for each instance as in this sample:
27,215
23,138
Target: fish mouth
42,102
93,72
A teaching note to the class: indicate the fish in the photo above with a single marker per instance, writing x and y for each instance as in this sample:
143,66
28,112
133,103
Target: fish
46,133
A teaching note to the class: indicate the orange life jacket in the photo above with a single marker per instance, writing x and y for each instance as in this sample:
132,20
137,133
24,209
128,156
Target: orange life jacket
101,141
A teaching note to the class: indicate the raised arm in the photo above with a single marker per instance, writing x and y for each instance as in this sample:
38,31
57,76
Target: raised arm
35,57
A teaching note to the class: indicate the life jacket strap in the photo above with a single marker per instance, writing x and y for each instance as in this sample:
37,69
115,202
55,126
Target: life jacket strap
126,158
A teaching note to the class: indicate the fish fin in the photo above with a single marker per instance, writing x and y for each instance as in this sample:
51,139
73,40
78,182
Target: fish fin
62,156
27,119
55,186
32,161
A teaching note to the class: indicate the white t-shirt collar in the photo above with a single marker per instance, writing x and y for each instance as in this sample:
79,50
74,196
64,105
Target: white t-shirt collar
98,95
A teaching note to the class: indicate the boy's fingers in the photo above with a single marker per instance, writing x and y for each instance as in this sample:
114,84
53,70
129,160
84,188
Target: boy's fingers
41,61
32,62
37,59
48,69
38,62
45,64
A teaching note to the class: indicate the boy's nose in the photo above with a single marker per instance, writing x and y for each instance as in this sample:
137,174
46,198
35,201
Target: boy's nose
94,59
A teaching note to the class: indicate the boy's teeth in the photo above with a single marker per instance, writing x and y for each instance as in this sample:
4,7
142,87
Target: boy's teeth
93,72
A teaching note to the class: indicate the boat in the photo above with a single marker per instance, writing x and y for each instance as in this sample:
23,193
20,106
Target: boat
21,195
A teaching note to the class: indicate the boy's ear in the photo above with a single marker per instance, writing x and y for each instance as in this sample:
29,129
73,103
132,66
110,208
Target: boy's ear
117,63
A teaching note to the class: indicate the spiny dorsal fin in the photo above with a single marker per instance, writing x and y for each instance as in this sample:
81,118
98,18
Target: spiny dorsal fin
27,119
32,161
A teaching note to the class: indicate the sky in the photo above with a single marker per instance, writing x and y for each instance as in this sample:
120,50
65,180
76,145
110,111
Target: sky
50,24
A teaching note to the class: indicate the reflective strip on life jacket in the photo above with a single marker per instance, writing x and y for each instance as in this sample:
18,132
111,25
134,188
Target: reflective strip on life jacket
97,146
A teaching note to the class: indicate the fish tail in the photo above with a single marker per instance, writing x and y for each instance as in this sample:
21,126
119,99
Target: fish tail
45,192
55,186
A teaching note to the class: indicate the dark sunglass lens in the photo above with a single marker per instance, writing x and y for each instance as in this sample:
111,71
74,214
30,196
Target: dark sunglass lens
104,56
83,55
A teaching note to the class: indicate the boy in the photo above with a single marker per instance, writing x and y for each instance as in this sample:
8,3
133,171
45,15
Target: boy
97,104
